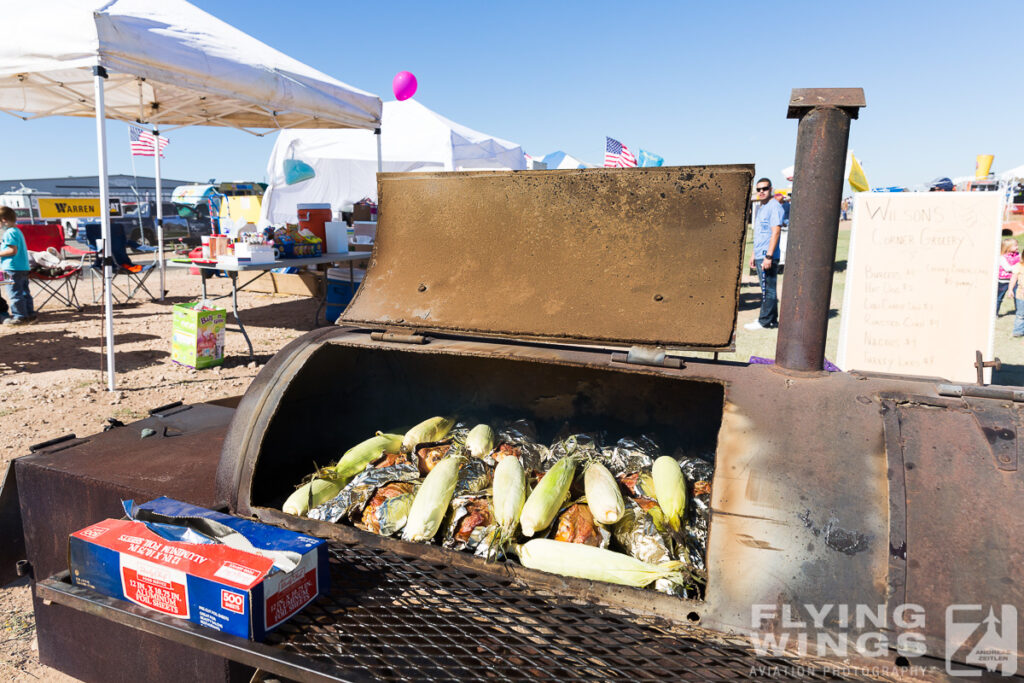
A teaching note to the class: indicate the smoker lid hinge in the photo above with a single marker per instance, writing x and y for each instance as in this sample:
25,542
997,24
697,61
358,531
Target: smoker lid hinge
648,355
398,337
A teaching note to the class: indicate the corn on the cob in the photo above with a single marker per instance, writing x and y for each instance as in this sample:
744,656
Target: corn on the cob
432,499
357,458
670,489
434,429
545,500
603,494
310,495
480,440
509,489
596,564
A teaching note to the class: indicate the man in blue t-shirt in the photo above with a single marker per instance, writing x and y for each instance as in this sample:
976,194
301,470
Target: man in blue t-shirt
15,266
767,230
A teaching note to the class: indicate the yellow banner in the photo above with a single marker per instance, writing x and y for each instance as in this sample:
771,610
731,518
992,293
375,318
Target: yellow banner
858,181
75,207
983,165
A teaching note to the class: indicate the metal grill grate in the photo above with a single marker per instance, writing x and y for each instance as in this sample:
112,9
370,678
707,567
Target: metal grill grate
397,618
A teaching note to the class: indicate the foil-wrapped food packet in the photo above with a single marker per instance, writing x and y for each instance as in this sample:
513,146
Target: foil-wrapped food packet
469,523
475,476
431,453
520,438
358,492
639,536
388,510
698,473
629,457
576,524
585,446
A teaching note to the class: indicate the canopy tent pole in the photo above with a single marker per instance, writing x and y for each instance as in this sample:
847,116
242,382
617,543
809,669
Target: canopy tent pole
380,159
99,75
380,165
159,214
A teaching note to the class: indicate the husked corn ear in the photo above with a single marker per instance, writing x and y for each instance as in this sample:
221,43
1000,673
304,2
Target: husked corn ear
432,499
357,458
670,490
434,429
509,490
480,440
545,500
603,494
318,491
596,564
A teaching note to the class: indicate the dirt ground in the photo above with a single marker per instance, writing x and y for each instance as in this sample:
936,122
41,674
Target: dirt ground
51,384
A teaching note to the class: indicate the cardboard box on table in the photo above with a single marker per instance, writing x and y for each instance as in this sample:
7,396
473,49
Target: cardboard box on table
215,585
197,336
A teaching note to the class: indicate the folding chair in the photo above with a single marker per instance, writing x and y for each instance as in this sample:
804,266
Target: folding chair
60,287
132,277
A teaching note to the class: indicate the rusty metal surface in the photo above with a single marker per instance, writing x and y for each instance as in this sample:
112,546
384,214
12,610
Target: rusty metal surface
74,484
800,513
168,635
395,617
12,540
647,256
821,142
964,538
802,99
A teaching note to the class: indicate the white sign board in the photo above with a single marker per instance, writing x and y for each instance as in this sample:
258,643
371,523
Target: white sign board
920,293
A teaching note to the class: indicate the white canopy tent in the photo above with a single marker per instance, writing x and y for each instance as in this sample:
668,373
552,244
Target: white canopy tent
413,138
560,160
164,63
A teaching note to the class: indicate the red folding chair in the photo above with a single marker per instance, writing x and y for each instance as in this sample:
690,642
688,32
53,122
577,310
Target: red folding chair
60,287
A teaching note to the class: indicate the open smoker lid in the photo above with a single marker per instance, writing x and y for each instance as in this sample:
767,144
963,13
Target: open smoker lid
612,257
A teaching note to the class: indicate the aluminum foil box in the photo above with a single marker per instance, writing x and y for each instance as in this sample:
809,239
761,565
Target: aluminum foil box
211,584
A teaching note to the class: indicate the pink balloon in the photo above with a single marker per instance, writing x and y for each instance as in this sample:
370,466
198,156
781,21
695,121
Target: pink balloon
404,85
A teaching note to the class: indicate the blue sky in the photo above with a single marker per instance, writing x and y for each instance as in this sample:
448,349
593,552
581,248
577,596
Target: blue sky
697,83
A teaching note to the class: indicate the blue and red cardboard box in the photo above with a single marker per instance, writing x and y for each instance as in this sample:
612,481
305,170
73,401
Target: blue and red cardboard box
211,584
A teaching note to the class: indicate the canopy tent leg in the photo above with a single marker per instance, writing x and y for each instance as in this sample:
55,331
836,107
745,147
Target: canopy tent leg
380,158
99,76
380,167
159,214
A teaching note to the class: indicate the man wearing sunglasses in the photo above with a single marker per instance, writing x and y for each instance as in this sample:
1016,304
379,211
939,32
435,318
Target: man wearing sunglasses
767,229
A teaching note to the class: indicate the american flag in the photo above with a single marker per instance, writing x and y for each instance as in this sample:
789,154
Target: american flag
142,142
617,155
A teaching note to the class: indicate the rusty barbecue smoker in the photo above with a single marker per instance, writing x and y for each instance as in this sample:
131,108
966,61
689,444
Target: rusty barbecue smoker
516,294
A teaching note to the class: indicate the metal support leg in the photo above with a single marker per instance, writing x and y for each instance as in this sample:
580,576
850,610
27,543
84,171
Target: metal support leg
234,308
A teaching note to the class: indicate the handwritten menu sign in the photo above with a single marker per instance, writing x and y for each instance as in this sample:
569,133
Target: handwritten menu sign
921,283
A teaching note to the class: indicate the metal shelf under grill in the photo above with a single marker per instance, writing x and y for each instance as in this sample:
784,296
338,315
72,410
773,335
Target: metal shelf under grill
390,617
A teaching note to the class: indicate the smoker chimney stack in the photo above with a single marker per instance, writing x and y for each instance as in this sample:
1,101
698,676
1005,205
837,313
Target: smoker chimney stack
821,142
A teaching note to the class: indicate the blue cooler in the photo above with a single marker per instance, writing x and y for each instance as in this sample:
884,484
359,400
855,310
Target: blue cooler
339,293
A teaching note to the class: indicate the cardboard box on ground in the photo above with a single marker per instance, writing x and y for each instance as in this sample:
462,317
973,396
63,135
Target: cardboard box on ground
304,283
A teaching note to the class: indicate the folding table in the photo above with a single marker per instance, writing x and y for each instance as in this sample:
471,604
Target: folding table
208,269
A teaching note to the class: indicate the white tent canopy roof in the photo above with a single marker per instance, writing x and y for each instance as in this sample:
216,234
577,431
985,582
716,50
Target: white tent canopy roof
561,160
413,138
169,64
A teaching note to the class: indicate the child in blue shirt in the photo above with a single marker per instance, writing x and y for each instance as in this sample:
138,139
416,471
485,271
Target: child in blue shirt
15,265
